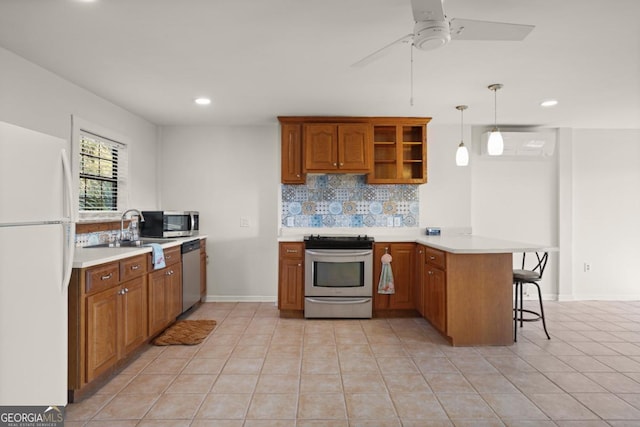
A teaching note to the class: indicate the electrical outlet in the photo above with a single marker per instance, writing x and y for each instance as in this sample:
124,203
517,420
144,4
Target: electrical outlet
587,267
390,221
290,221
244,221
397,221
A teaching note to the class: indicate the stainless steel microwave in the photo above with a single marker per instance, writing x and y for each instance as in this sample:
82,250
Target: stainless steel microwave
170,223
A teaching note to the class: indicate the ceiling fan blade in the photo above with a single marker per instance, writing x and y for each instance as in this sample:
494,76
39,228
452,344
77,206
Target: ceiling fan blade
380,52
427,10
470,29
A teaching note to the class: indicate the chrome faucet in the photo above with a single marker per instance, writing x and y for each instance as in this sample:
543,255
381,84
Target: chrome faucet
124,214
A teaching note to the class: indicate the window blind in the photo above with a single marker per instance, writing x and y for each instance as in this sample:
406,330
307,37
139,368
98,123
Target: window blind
103,166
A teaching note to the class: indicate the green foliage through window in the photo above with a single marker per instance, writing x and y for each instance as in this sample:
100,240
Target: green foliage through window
98,173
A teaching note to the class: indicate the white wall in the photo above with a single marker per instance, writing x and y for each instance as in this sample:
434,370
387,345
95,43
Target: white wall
606,213
35,98
227,173
445,200
517,199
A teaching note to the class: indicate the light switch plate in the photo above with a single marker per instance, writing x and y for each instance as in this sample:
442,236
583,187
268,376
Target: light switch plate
244,221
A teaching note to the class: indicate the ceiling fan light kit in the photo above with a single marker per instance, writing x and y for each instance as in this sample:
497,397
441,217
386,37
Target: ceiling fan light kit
495,145
429,35
462,154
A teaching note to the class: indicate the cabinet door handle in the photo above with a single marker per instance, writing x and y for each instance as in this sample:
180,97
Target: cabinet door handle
341,164
135,267
432,257
168,257
292,251
121,292
169,273
299,265
126,290
107,277
297,175
335,164
430,272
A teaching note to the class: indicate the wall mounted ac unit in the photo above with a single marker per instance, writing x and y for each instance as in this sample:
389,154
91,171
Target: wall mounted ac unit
524,144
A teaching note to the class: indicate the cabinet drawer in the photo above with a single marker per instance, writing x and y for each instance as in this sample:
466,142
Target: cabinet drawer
101,277
291,250
133,267
435,257
172,255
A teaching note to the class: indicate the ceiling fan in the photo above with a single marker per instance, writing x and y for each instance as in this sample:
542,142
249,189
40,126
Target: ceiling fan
434,29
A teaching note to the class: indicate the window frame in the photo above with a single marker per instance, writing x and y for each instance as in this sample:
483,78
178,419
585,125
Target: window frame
79,126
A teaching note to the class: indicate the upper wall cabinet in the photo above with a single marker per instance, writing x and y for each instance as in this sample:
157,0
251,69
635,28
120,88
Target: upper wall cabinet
334,148
291,151
389,150
399,151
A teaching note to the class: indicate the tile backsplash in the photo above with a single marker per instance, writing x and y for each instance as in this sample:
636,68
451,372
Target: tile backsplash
348,201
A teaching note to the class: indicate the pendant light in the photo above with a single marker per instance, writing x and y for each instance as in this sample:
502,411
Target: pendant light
462,155
495,145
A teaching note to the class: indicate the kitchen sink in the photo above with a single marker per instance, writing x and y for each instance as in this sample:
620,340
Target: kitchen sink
130,243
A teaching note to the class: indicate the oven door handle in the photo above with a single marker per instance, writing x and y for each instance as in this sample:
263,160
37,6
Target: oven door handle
335,300
342,253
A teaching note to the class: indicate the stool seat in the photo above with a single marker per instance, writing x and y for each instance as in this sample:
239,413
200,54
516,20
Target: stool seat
525,275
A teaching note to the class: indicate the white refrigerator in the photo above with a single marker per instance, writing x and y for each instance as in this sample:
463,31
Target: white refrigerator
37,233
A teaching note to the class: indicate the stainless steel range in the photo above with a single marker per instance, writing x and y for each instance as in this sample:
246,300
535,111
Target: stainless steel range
338,279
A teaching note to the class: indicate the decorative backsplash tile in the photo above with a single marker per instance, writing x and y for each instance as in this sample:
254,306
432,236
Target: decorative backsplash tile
348,201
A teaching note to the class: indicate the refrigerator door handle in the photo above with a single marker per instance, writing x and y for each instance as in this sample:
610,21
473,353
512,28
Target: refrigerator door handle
70,226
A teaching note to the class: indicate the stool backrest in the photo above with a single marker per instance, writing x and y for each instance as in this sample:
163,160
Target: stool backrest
541,262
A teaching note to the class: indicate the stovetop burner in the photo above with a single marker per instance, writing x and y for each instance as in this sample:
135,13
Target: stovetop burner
338,242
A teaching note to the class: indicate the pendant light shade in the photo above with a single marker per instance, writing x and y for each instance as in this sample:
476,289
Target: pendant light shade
462,154
495,145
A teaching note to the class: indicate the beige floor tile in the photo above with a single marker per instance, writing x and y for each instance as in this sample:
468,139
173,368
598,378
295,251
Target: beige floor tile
608,406
532,383
328,365
548,363
323,383
418,406
397,365
191,383
282,366
561,406
357,364
428,365
404,383
110,423
243,366
574,382
164,423
115,384
165,366
234,383
319,351
585,364
224,406
322,406
175,406
278,384
614,382
448,383
510,364
148,384
491,383
204,366
363,383
86,408
217,423
273,406
322,423
127,407
179,352
388,350
473,364
369,406
425,423
465,405
620,363
514,406
250,351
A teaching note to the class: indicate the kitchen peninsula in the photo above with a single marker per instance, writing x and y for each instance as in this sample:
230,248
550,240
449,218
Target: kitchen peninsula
462,284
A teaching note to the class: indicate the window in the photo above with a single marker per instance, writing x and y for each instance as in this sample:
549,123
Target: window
102,173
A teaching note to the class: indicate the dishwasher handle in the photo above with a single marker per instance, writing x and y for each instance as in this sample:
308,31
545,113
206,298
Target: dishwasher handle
190,246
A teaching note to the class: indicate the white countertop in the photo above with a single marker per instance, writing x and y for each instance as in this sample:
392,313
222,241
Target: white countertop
88,257
457,244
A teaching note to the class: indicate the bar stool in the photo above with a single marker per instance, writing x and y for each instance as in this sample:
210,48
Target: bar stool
520,278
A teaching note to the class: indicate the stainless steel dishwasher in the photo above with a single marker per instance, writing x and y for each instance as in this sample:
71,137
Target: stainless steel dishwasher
190,274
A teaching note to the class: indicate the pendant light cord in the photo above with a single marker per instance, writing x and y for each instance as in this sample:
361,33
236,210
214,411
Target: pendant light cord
461,124
411,98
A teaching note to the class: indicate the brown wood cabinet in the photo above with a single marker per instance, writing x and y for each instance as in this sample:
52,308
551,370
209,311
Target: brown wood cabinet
203,269
419,280
107,318
165,292
291,154
399,151
336,147
291,276
403,267
435,289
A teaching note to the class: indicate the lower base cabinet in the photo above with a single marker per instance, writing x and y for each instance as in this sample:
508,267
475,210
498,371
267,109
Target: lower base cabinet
403,268
116,324
291,277
165,297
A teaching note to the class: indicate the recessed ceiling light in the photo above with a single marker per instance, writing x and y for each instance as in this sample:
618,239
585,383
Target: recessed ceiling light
549,103
202,101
